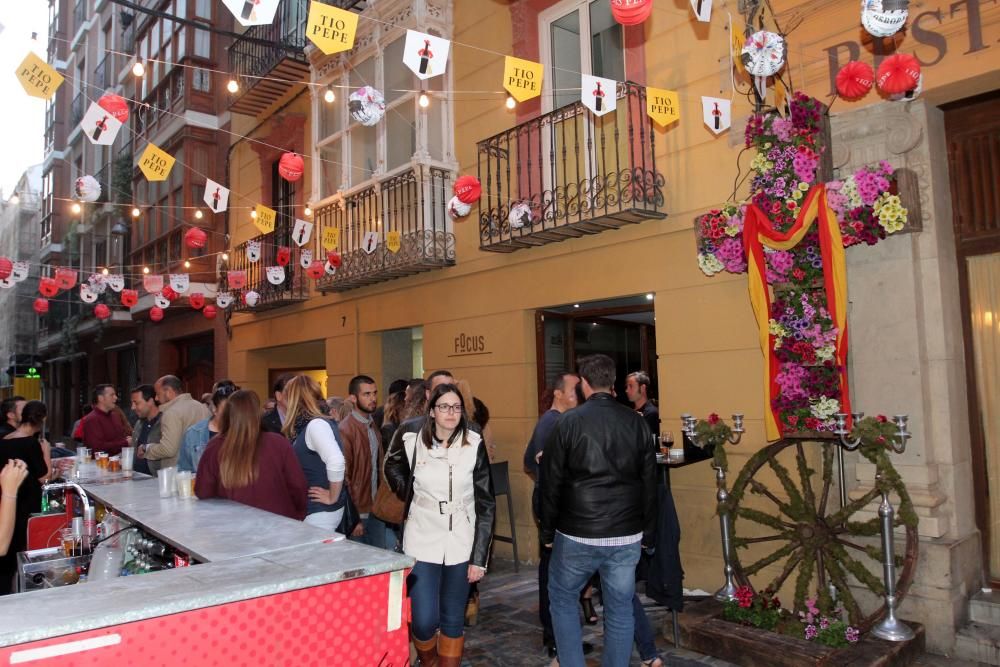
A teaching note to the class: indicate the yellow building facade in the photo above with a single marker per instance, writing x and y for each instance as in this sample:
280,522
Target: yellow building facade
479,313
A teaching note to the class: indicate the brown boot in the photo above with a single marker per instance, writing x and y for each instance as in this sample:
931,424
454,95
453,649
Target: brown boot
450,650
472,609
427,650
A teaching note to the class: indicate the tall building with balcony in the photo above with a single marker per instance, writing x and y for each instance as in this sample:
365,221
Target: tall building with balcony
178,104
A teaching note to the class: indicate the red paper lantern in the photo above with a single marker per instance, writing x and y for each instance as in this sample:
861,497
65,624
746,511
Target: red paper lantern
855,79
631,12
168,293
291,166
468,189
114,105
899,73
130,297
334,258
209,312
236,279
41,306
284,256
195,238
65,278
156,313
101,311
196,300
315,270
48,287
6,266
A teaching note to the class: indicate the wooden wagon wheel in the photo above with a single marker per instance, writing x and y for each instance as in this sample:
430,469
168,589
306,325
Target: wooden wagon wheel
814,537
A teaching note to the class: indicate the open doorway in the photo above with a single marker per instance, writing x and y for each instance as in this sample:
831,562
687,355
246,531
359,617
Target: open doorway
622,328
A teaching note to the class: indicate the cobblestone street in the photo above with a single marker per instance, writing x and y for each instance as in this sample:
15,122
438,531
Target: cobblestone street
509,634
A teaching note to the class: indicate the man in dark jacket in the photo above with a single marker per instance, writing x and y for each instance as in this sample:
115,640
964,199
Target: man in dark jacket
598,511
273,420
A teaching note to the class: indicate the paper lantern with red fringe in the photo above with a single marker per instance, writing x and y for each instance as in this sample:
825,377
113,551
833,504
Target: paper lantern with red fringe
65,278
899,73
130,297
196,300
169,293
283,256
334,258
114,105
156,313
48,287
41,306
6,268
468,189
291,167
209,312
855,79
195,238
631,12
315,270
101,311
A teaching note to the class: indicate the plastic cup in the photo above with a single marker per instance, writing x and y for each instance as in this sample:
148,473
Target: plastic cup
128,460
68,540
184,484
168,479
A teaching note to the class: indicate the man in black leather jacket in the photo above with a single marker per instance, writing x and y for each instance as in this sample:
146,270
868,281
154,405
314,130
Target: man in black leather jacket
598,511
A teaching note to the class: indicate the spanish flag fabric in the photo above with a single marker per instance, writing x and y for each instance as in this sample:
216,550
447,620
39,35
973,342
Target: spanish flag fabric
759,232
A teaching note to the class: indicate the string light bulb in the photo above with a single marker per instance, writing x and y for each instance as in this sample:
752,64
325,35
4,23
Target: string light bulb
308,210
15,199
225,257
136,212
233,86
104,271
187,264
139,69
145,269
198,214
328,95
253,214
76,208
423,100
511,102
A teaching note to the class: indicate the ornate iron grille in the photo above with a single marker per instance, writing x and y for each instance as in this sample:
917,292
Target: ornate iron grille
293,290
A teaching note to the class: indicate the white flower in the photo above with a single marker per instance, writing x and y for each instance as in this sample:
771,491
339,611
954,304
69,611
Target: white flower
850,190
709,264
825,353
824,408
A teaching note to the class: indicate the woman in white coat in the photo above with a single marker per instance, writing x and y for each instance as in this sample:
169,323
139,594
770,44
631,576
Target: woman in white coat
441,469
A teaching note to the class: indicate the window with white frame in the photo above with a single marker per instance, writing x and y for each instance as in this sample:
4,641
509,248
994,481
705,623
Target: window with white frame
351,154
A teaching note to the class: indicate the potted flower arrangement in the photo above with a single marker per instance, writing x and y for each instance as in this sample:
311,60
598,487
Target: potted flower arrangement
808,383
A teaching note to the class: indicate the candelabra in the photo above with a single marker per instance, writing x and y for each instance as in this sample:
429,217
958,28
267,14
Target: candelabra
728,590
890,628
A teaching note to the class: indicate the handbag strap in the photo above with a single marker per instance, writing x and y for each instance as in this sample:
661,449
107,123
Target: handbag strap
409,488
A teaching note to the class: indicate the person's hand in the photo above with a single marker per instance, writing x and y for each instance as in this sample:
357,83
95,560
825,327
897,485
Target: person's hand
11,477
476,573
359,530
321,494
538,457
140,452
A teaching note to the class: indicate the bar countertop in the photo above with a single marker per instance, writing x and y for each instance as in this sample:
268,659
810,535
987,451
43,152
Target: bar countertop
245,552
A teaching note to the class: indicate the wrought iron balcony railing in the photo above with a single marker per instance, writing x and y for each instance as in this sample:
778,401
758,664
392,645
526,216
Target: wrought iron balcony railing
103,75
412,203
568,173
295,288
275,51
76,109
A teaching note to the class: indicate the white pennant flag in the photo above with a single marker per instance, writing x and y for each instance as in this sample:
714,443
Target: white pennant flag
275,275
717,113
598,94
426,55
100,125
180,282
301,232
252,12
216,197
305,258
702,10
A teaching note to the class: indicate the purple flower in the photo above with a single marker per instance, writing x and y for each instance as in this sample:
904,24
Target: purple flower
782,128
824,623
811,632
730,253
852,635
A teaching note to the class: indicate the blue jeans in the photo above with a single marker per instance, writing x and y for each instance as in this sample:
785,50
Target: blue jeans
571,567
377,533
437,599
644,637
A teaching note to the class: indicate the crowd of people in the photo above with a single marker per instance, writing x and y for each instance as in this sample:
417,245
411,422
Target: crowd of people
411,474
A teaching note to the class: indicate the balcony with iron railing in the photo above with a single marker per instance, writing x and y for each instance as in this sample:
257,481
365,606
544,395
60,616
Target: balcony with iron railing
104,76
275,51
76,109
79,14
412,202
294,289
570,173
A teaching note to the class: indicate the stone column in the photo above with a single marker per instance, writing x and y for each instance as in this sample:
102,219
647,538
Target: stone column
907,356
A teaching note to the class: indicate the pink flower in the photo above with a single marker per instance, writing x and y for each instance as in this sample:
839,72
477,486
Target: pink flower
713,419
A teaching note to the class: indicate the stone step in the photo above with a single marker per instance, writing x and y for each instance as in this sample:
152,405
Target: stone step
978,642
984,608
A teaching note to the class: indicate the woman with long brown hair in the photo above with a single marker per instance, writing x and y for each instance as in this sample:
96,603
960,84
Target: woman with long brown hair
316,446
249,466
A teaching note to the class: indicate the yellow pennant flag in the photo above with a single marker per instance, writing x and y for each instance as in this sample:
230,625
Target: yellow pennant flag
522,78
265,219
331,238
37,77
739,40
331,29
662,105
394,241
155,163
